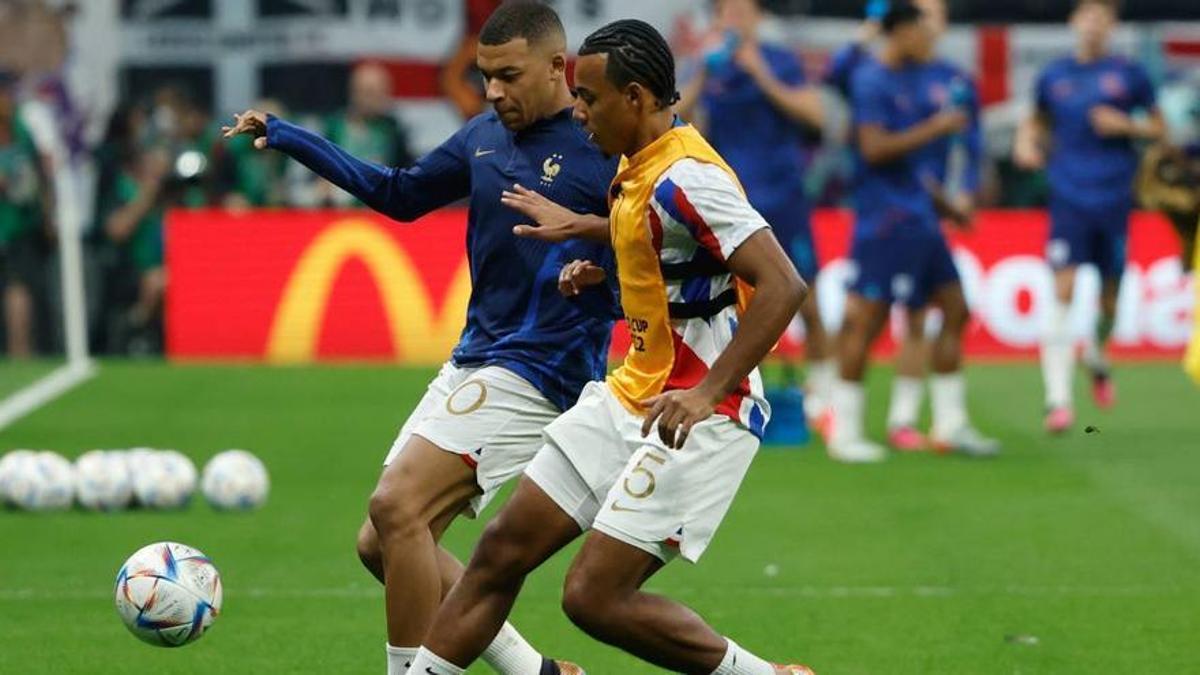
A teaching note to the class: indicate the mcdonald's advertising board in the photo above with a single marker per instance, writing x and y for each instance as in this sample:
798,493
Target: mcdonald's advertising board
302,286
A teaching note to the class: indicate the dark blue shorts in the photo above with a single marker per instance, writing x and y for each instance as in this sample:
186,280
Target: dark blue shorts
793,229
1082,235
903,267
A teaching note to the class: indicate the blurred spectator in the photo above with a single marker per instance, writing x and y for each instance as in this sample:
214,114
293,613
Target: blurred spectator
366,129
24,200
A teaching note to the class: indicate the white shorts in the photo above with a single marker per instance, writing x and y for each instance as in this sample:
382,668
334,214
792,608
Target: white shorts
490,416
598,469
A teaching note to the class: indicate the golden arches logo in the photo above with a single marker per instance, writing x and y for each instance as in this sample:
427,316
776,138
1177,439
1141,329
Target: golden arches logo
418,332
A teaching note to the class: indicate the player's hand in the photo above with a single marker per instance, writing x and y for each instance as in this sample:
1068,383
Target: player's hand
951,121
1028,155
677,412
551,222
749,57
958,209
252,122
1110,122
578,275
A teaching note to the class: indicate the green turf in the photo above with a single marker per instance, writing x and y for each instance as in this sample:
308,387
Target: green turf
1090,544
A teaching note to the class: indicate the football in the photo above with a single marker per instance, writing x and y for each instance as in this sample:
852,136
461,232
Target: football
38,481
102,481
161,479
168,594
235,480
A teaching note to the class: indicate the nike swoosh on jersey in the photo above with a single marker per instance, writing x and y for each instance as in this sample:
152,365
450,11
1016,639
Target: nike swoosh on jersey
480,152
616,506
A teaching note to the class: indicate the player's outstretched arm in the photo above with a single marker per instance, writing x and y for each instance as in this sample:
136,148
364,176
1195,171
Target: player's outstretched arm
437,179
778,292
550,221
799,103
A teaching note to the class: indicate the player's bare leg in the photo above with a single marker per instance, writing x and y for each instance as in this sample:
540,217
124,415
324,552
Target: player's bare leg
417,498
1058,355
1103,390
822,366
603,596
908,387
952,429
863,321
18,320
527,531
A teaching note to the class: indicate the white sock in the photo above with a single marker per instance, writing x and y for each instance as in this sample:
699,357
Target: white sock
906,402
738,661
849,399
949,396
821,375
400,659
428,662
510,654
1058,357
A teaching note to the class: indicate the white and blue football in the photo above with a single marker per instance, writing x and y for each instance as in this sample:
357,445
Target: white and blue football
162,479
235,480
168,594
102,481
39,481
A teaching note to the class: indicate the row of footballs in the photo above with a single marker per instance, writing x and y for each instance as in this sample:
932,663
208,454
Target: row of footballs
110,480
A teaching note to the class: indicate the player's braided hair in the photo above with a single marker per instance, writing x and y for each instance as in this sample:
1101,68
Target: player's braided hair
636,53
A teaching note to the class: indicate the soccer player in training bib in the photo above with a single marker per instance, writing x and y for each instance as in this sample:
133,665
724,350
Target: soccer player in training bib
753,103
902,114
526,352
649,460
1086,122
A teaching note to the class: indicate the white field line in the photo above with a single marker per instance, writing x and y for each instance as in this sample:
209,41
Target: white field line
38,394
817,592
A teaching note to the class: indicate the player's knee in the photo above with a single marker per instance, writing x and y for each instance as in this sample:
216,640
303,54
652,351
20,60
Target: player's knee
396,512
589,604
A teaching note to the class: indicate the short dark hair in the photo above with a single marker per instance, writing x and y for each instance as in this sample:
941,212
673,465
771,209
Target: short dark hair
636,53
900,13
530,19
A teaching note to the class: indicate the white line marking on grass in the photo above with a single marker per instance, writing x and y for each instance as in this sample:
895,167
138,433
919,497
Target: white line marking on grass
38,394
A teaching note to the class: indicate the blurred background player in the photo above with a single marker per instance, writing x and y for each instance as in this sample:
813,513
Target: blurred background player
525,353
752,102
900,255
913,351
1086,125
678,217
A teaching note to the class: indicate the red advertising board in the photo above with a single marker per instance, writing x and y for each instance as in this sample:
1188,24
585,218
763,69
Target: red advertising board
296,286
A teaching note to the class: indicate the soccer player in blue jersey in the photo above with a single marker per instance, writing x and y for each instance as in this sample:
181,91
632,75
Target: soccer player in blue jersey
753,103
953,167
525,353
903,113
1086,125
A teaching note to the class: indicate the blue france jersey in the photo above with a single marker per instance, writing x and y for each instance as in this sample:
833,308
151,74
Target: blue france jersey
941,85
766,148
891,196
516,318
1086,169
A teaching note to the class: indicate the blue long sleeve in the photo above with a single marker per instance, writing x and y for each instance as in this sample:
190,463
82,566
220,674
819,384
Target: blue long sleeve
437,179
972,177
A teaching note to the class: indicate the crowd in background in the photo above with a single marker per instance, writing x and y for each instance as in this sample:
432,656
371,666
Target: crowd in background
162,150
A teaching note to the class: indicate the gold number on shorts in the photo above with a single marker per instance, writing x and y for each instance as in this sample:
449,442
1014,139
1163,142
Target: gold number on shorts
457,398
640,468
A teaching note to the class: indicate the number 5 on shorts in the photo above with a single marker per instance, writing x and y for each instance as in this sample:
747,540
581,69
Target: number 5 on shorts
640,468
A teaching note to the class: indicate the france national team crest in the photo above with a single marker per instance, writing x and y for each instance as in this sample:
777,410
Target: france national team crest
551,168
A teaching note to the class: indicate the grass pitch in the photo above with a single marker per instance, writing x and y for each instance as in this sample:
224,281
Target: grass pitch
1072,555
